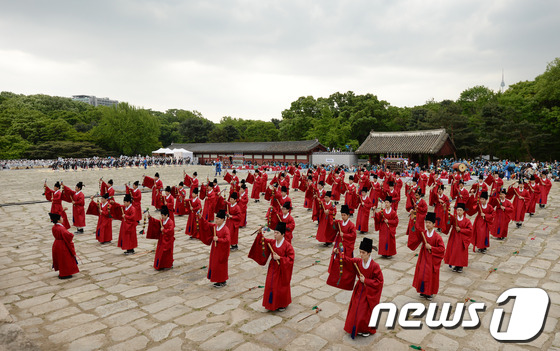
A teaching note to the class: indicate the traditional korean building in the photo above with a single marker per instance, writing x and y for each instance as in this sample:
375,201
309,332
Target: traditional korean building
419,146
255,152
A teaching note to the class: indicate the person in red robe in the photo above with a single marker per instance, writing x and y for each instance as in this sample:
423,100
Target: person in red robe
417,208
394,194
287,218
441,205
503,213
341,272
256,190
535,191
273,213
243,201
218,237
309,191
104,229
546,185
163,259
156,192
457,251
234,220
376,192
78,209
364,207
367,292
136,200
63,251
482,223
194,207
318,195
295,180
350,196
386,222
520,202
325,231
194,183
180,209
208,210
169,202
55,196
432,251
111,190
462,195
277,292
127,234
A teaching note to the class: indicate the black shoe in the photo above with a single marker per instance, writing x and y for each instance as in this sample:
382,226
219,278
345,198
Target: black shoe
65,277
105,242
327,244
233,248
130,252
428,297
365,335
281,309
531,214
219,285
385,256
459,269
455,269
518,225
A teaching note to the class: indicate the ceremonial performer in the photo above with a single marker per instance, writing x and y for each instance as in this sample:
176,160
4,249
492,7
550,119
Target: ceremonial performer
520,202
367,292
457,251
169,202
218,237
156,192
432,251
289,220
234,220
277,292
127,234
164,250
417,208
136,200
325,232
78,208
364,207
104,229
55,196
63,251
503,214
482,223
342,273
386,222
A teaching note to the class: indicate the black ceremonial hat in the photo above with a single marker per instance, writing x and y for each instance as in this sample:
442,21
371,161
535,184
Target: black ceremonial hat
221,214
366,245
55,217
345,209
281,227
431,216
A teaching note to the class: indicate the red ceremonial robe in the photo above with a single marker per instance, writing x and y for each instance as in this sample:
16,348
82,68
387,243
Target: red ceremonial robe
316,203
295,180
481,227
387,231
193,207
441,207
256,190
104,230
194,185
416,220
426,275
170,203
277,292
342,273
180,209
462,196
350,197
545,189
234,221
290,226
209,205
136,202
520,203
156,194
127,233
78,210
375,193
535,191
502,217
63,252
364,207
457,251
56,207
164,248
325,232
219,250
308,199
365,297
242,202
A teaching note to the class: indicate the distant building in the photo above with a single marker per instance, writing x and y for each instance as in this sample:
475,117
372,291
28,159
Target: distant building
254,152
95,101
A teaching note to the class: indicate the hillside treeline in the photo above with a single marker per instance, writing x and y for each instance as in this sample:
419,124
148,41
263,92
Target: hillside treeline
521,123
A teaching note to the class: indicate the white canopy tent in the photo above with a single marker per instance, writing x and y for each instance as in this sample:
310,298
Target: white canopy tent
182,153
159,151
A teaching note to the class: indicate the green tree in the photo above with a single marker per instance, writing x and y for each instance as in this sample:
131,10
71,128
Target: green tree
127,130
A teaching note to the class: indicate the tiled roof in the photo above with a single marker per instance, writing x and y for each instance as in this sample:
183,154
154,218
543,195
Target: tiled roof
408,142
272,147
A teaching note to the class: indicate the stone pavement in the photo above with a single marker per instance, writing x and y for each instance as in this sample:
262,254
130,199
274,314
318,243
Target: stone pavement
120,302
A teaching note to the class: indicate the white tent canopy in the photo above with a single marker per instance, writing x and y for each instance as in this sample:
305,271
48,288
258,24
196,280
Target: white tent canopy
159,151
182,153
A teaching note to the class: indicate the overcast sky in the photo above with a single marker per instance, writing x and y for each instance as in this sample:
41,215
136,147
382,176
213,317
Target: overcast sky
252,58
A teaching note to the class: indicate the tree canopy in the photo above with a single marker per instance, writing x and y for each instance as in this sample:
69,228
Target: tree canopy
521,123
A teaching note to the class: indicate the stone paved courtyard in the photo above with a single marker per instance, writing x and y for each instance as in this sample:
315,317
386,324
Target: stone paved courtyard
120,302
